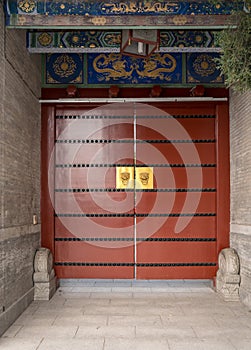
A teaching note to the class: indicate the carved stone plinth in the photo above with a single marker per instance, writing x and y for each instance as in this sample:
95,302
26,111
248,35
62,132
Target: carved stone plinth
228,275
45,281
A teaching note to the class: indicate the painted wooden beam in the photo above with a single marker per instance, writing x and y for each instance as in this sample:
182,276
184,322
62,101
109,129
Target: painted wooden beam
90,41
112,14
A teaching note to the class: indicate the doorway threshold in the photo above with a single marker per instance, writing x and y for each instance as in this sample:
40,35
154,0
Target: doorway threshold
134,286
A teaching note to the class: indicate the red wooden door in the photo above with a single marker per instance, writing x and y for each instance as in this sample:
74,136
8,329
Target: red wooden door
94,225
176,219
161,227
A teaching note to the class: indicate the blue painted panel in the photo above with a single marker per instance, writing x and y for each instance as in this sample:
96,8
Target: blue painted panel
64,68
202,68
161,68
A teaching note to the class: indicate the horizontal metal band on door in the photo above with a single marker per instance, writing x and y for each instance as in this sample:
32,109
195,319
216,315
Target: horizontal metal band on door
134,264
135,215
199,116
132,239
77,141
137,165
169,190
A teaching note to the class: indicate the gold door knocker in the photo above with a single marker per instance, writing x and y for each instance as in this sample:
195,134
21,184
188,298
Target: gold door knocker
144,177
124,177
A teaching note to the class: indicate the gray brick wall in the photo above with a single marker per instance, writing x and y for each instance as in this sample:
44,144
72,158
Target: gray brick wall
240,134
22,149
2,70
20,170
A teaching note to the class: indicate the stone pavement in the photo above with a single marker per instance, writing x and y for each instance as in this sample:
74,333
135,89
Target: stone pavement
138,315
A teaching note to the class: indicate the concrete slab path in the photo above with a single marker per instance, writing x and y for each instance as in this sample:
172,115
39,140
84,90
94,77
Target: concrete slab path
138,315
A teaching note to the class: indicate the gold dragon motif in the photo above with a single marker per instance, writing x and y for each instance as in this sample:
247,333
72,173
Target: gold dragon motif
117,70
121,8
134,7
113,66
160,7
152,67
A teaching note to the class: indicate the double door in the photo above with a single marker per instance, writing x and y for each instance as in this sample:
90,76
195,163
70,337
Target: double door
135,192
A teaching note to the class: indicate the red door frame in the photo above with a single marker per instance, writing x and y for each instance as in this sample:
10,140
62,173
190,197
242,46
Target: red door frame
221,111
47,204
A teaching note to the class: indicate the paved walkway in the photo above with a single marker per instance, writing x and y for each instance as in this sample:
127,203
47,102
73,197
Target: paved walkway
137,315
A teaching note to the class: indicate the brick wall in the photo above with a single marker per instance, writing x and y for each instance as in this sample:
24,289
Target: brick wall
20,171
240,134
